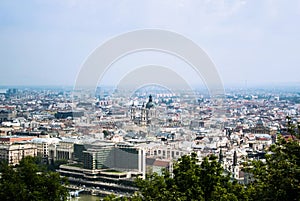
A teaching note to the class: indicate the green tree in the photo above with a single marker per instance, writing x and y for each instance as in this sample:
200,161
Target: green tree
191,181
207,181
28,181
156,187
277,178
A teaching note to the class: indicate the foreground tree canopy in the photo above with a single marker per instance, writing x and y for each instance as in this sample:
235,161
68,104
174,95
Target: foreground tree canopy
278,178
29,181
191,181
275,178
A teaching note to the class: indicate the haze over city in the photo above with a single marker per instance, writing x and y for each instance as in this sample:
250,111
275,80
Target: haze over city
149,100
250,42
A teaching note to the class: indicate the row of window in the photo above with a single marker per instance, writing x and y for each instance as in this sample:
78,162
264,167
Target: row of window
164,153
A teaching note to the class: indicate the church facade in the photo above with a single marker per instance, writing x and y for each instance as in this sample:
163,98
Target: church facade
143,115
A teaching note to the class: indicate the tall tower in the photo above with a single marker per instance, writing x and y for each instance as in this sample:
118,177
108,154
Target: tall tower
132,111
235,167
150,112
234,159
221,156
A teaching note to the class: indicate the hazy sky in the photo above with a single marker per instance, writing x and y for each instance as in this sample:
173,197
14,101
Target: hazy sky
45,42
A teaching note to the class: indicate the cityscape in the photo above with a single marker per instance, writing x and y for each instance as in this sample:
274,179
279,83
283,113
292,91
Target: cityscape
107,140
149,100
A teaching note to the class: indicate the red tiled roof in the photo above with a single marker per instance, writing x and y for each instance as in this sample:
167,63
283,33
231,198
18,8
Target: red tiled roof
161,163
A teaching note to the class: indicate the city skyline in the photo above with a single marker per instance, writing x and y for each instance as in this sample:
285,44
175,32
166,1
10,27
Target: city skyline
251,43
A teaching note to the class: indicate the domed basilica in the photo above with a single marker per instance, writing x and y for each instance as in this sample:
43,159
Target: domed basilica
142,115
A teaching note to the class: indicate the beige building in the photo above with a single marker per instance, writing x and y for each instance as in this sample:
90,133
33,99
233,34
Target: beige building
13,153
63,150
5,131
42,145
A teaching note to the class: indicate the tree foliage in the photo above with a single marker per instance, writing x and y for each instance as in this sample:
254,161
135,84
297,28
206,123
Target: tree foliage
193,181
277,178
29,181
190,181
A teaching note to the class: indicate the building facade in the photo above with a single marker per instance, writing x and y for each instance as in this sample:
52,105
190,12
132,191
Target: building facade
14,153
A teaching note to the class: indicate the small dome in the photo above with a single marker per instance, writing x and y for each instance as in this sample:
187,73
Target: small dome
150,104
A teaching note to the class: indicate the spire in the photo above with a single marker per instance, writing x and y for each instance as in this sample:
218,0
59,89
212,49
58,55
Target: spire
221,156
150,104
150,98
234,159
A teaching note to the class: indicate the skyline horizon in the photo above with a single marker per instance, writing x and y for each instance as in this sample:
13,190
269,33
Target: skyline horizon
233,85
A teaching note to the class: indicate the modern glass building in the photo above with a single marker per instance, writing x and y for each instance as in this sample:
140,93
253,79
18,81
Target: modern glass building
111,156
